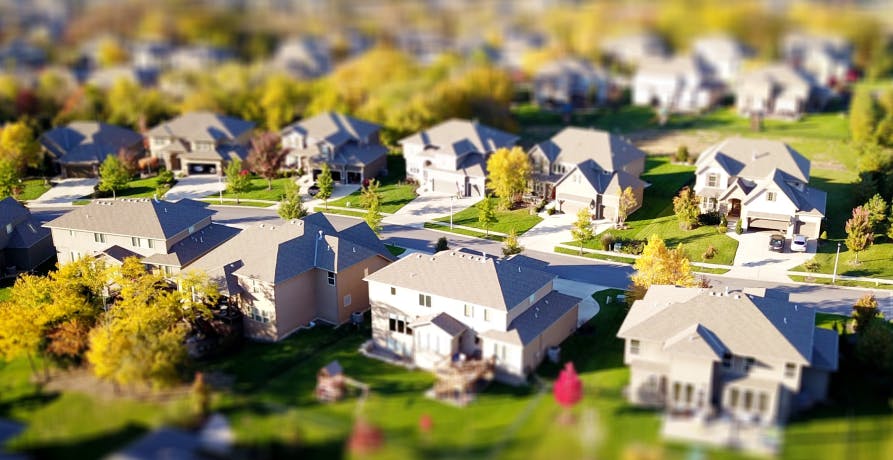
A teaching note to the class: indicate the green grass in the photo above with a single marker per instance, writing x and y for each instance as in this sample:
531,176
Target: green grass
629,260
250,204
395,250
840,282
462,231
829,320
656,216
257,190
875,262
32,189
358,213
394,192
519,219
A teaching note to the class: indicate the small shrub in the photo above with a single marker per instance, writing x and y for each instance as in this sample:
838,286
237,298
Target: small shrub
724,221
607,241
812,266
710,218
165,178
441,245
709,253
540,206
824,235
682,155
551,211
739,229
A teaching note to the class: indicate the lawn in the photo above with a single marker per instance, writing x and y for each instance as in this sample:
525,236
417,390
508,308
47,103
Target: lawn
395,193
394,249
873,263
137,188
32,189
518,219
257,190
462,231
656,216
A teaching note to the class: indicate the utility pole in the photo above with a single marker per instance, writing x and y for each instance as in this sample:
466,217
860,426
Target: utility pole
836,259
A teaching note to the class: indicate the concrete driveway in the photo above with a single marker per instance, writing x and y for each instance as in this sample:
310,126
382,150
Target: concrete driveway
429,206
195,187
756,261
64,192
545,235
588,306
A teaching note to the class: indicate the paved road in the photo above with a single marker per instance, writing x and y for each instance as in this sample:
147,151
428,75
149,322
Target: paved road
826,298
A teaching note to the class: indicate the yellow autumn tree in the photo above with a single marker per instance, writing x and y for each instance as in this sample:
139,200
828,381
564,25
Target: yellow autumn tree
508,174
660,265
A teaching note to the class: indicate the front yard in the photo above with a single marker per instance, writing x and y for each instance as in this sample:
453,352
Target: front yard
32,189
873,263
395,193
518,219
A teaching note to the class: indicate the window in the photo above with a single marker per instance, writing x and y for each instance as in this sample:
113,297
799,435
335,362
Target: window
168,271
134,241
469,310
331,278
770,196
689,391
733,398
790,370
763,402
151,244
677,389
486,315
393,290
425,300
748,400
347,300
399,324
713,180
727,360
634,347
261,316
99,237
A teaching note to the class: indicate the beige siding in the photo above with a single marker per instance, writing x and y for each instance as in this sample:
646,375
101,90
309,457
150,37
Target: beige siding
350,282
296,303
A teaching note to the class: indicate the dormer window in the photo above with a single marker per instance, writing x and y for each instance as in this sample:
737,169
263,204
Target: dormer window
713,180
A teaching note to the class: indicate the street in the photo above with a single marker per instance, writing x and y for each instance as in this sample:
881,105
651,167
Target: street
829,299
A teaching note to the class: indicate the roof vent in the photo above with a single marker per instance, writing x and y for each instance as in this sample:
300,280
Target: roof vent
319,235
796,307
785,320
165,210
433,258
354,249
519,269
261,225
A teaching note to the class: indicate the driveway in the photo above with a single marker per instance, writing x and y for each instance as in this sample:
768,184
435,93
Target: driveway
429,206
195,187
754,259
588,306
64,192
545,235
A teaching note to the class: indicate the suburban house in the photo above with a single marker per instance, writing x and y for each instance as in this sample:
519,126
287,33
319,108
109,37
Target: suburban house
303,58
569,83
677,84
288,275
452,156
517,43
24,244
200,142
748,357
721,54
632,49
428,309
762,182
199,57
166,236
827,59
777,91
81,146
350,147
587,169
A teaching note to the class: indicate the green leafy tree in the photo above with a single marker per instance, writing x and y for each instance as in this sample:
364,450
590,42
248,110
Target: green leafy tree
373,218
326,185
19,145
864,311
581,231
441,245
660,265
511,245
508,173
113,175
685,206
292,206
628,202
279,102
369,195
9,178
110,53
876,207
486,214
238,180
859,235
874,346
863,116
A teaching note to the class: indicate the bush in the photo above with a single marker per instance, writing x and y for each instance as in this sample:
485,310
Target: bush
812,266
739,229
165,178
709,253
682,155
634,247
441,245
551,211
607,241
824,235
101,194
710,218
540,206
724,221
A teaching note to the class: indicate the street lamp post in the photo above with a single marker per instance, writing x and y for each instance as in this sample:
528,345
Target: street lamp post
220,180
836,259
451,212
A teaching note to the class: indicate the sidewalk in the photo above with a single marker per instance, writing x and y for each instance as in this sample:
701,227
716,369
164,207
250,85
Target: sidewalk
588,306
195,187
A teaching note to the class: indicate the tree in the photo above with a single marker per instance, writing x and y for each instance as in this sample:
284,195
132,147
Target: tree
685,206
682,154
19,145
659,265
9,178
113,175
441,245
110,53
628,201
486,214
874,346
238,180
876,207
859,235
508,172
511,246
292,206
278,101
863,116
369,195
326,185
864,311
373,218
582,229
267,156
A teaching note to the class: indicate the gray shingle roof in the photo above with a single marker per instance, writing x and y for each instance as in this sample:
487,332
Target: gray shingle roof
275,253
472,279
194,246
779,76
755,159
458,137
88,141
576,145
749,325
26,231
809,200
202,126
334,128
444,322
602,183
536,319
144,218
119,254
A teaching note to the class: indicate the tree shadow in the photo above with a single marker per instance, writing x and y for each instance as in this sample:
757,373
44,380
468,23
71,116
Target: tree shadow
98,446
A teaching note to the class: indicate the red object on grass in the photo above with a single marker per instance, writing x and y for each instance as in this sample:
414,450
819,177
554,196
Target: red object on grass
568,389
426,423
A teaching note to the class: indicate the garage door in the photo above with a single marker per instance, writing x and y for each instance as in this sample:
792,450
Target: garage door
810,229
444,186
202,168
768,224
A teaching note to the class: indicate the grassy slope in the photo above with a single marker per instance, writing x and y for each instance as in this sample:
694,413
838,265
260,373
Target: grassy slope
33,189
519,219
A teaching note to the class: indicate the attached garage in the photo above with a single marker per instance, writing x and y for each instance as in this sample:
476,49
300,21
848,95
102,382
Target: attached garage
202,168
767,221
810,229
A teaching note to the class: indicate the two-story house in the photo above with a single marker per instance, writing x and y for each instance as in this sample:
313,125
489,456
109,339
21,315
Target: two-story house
200,142
721,54
677,84
632,49
24,244
827,59
777,91
303,57
166,236
287,275
350,147
426,309
763,182
710,355
79,147
587,169
569,83
451,157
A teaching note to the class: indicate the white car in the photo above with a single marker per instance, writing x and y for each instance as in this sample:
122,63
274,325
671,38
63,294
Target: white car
798,243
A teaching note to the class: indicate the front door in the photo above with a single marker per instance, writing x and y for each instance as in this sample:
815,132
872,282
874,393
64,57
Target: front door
735,210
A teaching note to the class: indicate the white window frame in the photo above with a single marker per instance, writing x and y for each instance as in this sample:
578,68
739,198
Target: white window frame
330,278
347,300
713,180
770,196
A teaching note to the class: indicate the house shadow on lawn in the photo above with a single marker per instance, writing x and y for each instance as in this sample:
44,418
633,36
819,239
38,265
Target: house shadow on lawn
98,446
28,403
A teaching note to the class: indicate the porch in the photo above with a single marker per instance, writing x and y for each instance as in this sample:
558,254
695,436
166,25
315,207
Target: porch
722,432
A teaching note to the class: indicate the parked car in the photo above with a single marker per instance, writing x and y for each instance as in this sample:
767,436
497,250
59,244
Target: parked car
313,190
798,243
776,242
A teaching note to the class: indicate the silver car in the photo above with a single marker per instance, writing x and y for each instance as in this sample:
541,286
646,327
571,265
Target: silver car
798,243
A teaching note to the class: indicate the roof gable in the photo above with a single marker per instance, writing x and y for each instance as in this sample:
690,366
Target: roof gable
144,218
202,127
755,159
457,137
576,145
